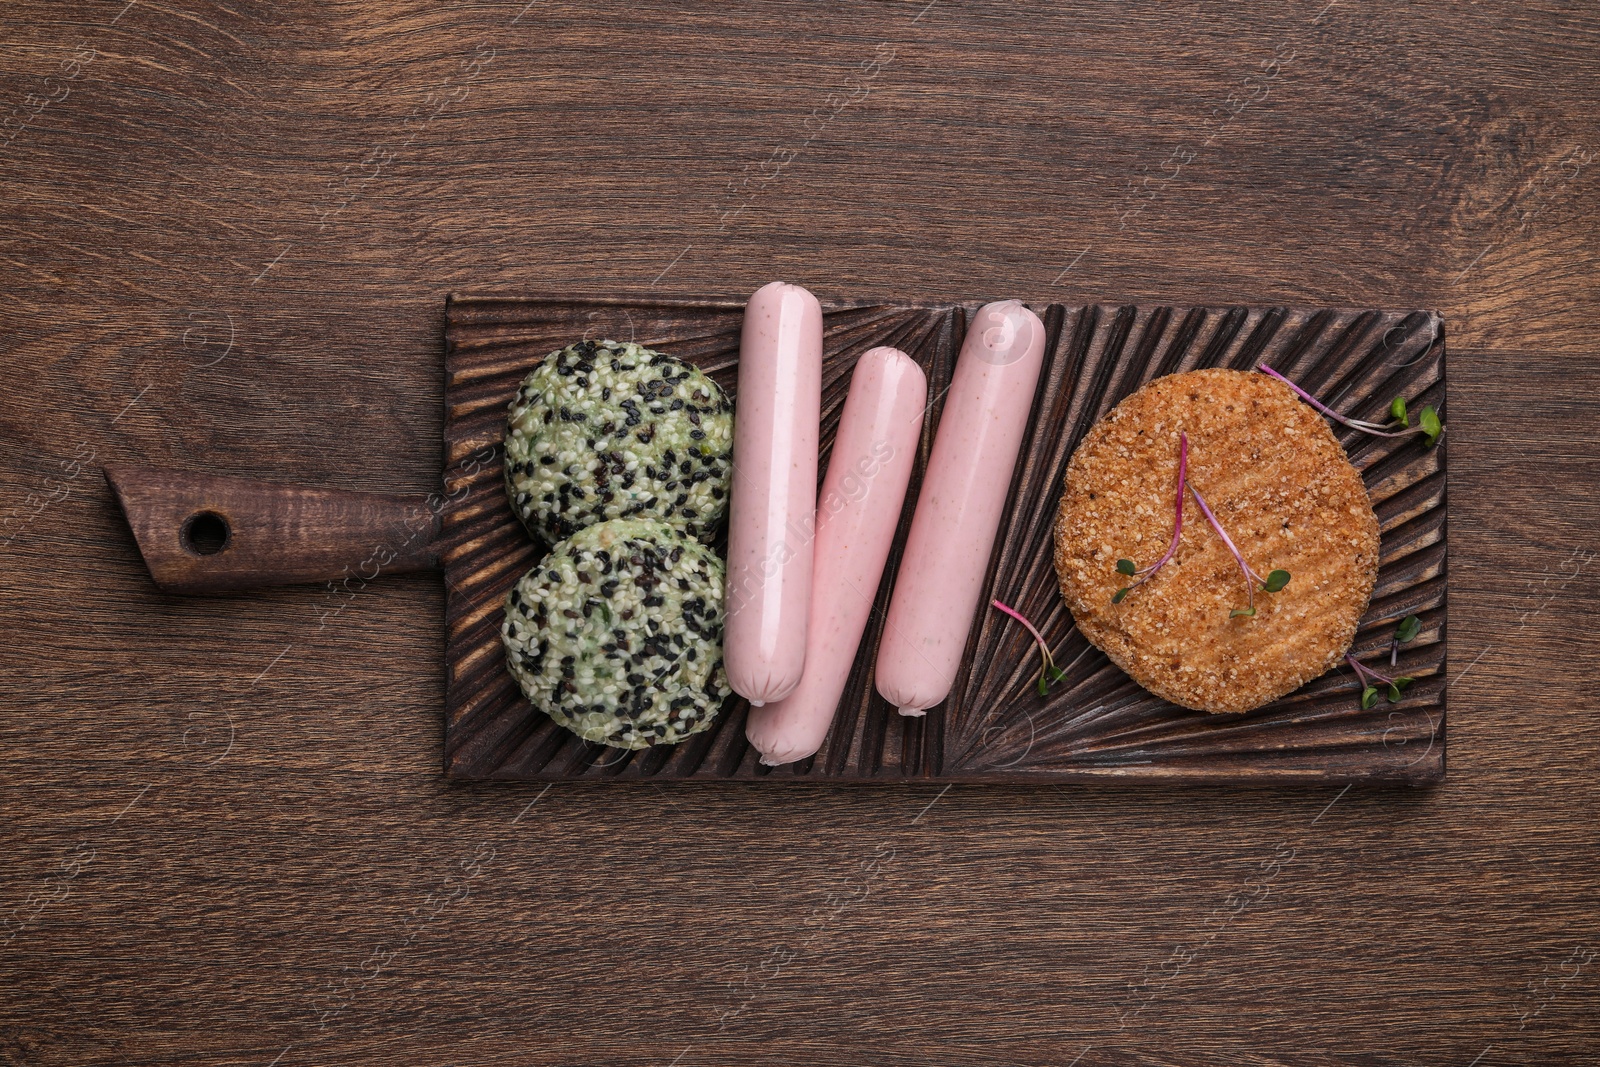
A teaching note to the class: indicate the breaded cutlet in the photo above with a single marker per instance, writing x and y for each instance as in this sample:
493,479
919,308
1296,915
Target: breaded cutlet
1286,493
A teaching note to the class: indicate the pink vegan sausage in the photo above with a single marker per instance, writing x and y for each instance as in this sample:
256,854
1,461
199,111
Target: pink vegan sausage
959,507
772,506
857,512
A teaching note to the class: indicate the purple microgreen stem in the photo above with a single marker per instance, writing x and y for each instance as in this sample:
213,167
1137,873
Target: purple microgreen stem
1271,584
1205,510
1365,673
1146,573
1048,672
1428,426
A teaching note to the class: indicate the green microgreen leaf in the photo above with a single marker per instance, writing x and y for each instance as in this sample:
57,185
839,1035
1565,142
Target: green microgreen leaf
1410,627
1116,598
1398,410
1276,581
1125,566
1369,696
1236,612
1431,426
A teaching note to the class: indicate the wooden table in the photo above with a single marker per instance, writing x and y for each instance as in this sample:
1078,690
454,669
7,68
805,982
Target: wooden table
226,231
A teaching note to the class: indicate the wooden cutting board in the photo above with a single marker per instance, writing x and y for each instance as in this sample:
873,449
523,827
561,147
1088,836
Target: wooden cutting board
1096,723
201,533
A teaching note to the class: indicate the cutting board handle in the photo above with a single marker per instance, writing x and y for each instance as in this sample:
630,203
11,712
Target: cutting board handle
204,533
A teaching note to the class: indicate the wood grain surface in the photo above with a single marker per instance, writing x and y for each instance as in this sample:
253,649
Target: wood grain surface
225,235
994,728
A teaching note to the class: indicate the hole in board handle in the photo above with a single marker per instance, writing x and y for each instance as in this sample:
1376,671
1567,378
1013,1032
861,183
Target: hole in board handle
205,533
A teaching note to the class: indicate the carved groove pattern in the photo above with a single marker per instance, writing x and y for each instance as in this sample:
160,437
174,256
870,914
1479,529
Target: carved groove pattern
1096,723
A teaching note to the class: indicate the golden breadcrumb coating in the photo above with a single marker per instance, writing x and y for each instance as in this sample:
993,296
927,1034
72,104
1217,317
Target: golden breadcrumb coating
1283,488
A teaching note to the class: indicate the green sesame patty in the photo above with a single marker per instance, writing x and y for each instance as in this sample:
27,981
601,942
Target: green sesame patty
617,634
607,430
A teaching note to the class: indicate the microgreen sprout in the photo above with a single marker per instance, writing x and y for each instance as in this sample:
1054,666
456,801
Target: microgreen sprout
1272,583
1409,627
1049,673
1125,566
1428,424
1371,679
